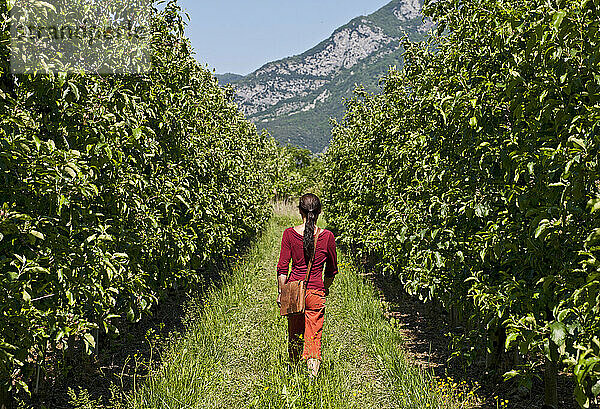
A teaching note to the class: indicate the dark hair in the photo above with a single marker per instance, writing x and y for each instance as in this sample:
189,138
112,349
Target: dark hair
310,208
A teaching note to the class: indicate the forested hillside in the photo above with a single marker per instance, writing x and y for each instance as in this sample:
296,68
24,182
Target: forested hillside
294,98
474,178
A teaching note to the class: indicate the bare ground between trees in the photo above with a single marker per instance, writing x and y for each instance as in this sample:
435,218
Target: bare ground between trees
426,344
125,360
129,358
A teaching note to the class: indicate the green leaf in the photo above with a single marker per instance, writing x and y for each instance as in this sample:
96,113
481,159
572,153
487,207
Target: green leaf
37,141
22,383
7,346
37,235
531,167
562,315
578,142
558,18
71,170
558,332
61,202
439,262
581,397
26,296
514,73
541,227
46,4
75,90
593,238
596,388
182,200
510,374
70,297
509,339
131,315
90,342
37,270
594,205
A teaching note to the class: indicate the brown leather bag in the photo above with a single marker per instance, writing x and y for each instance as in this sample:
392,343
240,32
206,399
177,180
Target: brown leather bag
293,293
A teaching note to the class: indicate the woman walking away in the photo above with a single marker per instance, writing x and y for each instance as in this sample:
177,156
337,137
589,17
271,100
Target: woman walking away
298,244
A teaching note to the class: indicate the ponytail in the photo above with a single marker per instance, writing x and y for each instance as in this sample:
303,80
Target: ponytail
308,241
310,208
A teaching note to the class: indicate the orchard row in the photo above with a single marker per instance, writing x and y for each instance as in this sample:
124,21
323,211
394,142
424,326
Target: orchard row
474,178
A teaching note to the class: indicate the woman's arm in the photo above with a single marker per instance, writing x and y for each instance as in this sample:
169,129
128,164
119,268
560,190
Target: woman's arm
280,282
328,281
283,265
331,267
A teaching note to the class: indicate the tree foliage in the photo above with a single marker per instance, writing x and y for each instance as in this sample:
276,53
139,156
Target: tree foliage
115,189
298,172
474,177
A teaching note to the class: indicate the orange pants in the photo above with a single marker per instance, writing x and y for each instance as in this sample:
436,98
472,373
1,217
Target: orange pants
305,330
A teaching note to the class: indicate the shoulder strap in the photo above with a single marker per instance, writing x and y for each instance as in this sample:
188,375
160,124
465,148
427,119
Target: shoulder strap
289,273
308,268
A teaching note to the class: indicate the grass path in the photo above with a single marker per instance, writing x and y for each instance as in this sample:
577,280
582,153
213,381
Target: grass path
234,351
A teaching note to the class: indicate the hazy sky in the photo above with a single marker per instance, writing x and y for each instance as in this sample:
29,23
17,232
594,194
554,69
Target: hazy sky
240,36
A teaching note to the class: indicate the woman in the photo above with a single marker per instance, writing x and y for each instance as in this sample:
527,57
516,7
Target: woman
297,244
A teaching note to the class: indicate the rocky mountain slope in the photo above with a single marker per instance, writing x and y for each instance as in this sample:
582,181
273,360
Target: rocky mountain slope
295,97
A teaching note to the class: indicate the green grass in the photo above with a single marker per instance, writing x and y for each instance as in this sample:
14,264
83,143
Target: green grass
234,351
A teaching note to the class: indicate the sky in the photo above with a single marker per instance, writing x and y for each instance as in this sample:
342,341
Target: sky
239,36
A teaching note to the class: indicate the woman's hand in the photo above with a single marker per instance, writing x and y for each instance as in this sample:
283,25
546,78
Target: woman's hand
281,279
327,283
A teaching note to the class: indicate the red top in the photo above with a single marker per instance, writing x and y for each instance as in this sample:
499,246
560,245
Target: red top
325,254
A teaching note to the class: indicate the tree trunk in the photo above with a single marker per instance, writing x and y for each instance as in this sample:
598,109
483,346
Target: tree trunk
517,361
550,384
5,399
97,341
495,353
453,314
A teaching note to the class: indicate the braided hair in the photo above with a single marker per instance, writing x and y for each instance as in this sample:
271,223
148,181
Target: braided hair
310,208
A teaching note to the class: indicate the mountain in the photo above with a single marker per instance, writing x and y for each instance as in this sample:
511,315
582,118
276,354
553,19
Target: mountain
228,78
295,97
